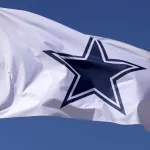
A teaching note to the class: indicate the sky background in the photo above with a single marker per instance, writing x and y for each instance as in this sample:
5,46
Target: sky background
124,20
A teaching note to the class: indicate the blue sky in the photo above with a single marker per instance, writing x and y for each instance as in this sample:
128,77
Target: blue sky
124,20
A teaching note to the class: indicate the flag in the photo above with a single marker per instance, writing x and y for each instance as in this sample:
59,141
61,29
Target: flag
48,69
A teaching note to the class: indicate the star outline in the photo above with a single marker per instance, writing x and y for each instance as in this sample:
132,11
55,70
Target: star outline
70,99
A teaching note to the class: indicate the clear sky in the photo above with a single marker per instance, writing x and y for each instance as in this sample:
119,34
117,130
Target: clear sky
124,20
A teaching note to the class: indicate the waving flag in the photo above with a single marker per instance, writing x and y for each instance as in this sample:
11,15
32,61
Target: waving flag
48,69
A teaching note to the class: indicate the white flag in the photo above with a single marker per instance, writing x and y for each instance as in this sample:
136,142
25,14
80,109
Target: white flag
47,69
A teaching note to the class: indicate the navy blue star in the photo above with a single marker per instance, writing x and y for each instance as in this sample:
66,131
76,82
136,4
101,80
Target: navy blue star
95,73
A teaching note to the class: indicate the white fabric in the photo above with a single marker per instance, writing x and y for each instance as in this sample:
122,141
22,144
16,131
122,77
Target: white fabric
34,84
